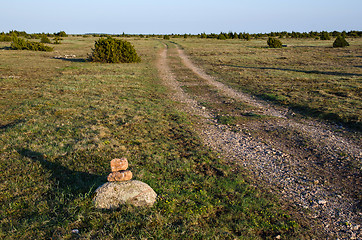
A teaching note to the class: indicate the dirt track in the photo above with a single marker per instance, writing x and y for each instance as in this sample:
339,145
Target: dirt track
324,178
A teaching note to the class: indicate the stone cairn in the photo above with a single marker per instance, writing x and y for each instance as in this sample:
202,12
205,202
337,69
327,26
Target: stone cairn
119,171
120,189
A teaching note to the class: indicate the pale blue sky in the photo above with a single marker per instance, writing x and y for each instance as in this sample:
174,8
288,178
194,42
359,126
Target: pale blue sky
186,16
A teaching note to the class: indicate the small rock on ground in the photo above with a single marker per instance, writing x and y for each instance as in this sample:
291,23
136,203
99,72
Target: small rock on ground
113,194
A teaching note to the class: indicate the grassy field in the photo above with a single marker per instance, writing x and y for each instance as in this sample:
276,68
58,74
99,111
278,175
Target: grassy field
63,120
309,75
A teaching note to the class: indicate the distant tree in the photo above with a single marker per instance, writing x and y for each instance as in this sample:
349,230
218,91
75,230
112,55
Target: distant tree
61,34
313,34
324,36
294,35
354,34
258,35
221,36
304,35
166,37
340,42
335,34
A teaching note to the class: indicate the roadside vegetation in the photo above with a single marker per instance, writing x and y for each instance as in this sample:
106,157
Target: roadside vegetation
63,120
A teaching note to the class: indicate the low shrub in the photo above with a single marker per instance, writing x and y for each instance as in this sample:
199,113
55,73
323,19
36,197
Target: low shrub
110,50
340,42
21,44
166,37
5,38
274,43
57,40
44,39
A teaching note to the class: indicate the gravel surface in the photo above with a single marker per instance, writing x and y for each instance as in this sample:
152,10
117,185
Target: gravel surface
323,178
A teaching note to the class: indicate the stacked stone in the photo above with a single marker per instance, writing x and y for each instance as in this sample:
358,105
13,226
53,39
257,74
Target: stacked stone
120,189
119,171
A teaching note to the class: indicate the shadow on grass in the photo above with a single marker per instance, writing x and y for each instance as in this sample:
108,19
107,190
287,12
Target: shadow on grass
295,70
73,59
68,180
351,122
10,125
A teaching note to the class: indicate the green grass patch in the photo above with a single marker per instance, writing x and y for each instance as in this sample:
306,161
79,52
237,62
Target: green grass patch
234,120
226,120
64,122
274,97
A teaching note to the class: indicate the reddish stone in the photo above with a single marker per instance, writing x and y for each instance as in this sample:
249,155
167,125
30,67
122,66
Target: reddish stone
119,176
119,164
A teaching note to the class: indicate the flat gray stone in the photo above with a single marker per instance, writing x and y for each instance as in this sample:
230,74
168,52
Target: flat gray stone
113,194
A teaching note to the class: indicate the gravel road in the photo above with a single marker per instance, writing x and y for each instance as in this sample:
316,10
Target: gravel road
323,180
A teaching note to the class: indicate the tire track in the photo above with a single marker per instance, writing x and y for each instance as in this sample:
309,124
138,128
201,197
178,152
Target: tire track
286,173
317,130
229,92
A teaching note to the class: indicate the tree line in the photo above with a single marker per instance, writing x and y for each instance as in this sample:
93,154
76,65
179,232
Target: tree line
323,35
8,36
